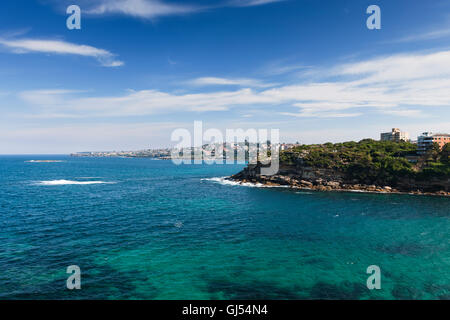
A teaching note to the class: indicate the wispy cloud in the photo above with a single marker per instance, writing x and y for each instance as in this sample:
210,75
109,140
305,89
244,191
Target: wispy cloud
171,62
442,32
398,69
46,97
277,68
21,46
152,9
214,81
251,3
395,85
140,8
410,113
305,113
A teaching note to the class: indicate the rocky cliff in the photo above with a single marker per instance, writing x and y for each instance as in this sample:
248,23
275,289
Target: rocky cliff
301,176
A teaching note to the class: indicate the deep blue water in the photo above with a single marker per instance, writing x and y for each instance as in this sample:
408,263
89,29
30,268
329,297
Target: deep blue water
154,230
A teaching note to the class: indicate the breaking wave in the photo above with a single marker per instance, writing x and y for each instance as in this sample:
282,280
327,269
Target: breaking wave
67,182
45,161
224,181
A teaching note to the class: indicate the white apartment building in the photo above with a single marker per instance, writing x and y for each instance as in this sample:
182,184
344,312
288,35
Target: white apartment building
395,135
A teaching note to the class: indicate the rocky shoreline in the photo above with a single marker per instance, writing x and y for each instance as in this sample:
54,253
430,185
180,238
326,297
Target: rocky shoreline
317,182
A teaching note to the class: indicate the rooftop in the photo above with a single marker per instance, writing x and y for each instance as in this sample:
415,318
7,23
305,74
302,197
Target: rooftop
441,135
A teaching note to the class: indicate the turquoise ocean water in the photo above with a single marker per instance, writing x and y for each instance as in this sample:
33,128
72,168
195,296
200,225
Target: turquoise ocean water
147,229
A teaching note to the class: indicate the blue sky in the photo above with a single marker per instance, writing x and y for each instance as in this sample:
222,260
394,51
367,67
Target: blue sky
138,69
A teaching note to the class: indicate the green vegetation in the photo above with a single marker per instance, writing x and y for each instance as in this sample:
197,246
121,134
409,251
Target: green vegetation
375,162
436,163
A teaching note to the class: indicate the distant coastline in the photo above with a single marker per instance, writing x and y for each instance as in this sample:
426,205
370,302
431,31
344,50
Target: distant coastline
163,154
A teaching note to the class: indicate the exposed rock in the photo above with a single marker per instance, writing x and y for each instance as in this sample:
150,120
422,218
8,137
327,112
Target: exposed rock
303,177
306,183
333,184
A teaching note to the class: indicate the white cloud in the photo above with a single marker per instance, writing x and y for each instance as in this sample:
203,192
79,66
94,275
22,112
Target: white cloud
21,46
322,114
146,102
251,3
430,35
46,97
406,113
140,8
395,84
211,81
403,67
152,9
279,68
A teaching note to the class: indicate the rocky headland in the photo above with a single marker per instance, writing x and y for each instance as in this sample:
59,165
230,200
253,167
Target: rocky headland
358,167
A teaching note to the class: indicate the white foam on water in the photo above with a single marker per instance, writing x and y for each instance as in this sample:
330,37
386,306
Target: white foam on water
68,182
224,181
88,177
45,161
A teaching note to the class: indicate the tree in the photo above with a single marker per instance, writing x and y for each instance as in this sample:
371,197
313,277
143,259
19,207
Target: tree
445,154
433,153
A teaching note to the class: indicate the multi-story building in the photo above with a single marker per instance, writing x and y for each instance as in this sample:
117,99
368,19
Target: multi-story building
441,139
426,140
395,135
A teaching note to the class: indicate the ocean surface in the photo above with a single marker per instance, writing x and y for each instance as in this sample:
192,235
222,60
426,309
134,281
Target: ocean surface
148,229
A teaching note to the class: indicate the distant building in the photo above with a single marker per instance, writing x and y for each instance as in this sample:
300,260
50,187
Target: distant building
426,140
395,135
441,139
287,146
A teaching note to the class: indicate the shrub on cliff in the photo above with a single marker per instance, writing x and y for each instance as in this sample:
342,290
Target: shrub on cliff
370,161
445,154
